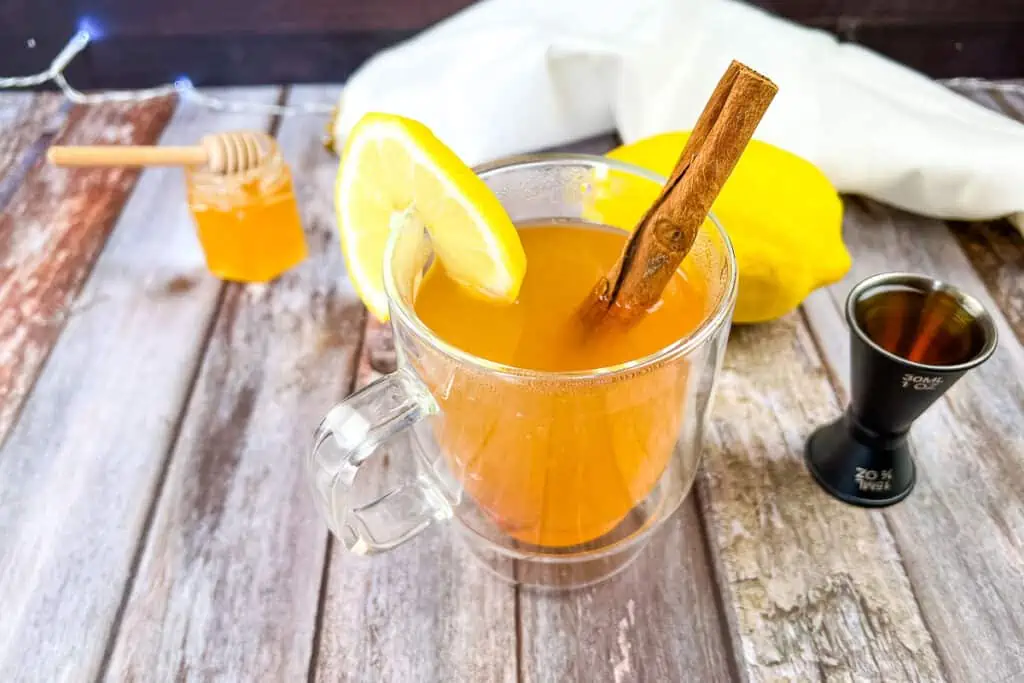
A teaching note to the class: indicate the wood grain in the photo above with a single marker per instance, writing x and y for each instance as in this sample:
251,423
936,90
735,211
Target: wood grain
426,611
996,250
24,119
813,589
961,532
51,232
230,578
130,552
656,621
81,468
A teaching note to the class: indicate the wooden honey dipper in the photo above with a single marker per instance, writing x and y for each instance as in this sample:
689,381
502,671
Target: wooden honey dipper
224,153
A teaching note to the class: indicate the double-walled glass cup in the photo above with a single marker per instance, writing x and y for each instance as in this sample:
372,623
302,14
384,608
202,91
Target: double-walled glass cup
552,479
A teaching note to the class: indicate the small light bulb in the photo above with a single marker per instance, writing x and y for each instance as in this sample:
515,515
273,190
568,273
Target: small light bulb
90,28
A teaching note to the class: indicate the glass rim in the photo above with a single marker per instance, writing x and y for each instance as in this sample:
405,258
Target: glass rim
924,284
680,347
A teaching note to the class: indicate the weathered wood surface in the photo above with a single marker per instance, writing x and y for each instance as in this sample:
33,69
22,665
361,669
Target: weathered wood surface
80,470
229,581
426,611
961,533
51,231
24,120
958,539
813,589
154,525
658,620
996,250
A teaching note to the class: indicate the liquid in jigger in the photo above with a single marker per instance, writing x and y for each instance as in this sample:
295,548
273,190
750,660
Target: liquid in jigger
930,328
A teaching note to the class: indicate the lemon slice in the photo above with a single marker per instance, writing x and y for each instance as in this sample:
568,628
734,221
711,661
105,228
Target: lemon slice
392,165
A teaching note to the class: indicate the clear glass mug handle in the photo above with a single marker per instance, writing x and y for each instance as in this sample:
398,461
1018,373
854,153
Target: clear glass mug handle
369,480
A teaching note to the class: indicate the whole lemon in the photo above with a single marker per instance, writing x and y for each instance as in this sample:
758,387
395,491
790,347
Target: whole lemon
782,214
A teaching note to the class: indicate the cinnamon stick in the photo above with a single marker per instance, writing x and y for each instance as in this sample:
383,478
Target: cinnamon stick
668,229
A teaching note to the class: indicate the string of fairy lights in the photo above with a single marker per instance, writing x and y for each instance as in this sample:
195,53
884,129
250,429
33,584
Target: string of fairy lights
184,88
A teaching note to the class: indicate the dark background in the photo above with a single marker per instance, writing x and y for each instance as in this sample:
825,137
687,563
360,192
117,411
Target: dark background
221,42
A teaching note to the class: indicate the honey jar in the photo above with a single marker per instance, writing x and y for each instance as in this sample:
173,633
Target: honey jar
248,222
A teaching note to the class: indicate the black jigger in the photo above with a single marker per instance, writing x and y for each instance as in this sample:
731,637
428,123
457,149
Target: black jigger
912,337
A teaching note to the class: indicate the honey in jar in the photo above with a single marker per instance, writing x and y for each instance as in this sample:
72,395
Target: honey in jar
248,222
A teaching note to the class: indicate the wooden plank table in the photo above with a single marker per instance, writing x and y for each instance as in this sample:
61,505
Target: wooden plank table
154,525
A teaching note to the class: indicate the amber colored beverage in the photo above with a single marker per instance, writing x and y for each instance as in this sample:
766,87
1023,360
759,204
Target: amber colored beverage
554,464
924,327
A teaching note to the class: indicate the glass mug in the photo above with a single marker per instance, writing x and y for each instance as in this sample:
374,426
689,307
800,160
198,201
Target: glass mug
552,479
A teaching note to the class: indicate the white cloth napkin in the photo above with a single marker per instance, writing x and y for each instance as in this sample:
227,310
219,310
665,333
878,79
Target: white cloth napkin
510,76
